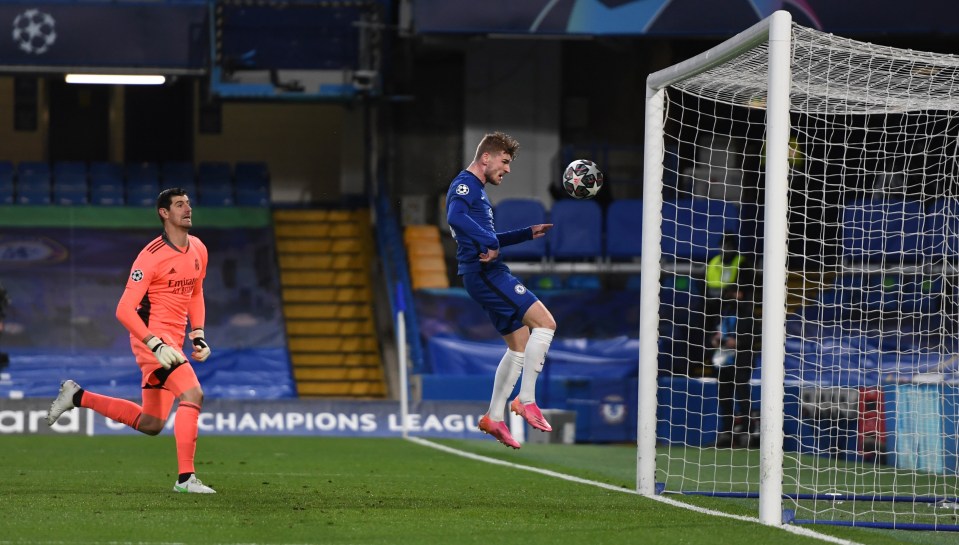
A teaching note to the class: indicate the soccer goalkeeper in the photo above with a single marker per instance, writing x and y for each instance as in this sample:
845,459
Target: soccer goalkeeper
165,288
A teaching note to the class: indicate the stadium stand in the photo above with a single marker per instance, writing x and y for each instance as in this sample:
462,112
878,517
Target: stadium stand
33,183
324,258
693,228
142,183
874,230
425,253
70,184
7,188
106,184
215,183
252,183
179,174
942,216
624,228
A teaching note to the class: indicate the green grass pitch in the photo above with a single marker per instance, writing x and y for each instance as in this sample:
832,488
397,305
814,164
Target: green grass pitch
293,490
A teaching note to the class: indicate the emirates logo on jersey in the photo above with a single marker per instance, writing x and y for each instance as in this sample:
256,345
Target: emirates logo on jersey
184,286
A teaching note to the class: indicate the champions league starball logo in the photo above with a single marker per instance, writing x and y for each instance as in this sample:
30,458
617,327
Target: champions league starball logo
34,31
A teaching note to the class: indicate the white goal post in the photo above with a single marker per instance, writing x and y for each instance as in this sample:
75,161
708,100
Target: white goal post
833,164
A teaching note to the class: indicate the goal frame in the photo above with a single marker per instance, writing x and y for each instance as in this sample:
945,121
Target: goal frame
777,31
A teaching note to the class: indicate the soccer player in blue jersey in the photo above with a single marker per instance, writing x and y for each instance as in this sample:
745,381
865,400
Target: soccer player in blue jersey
519,316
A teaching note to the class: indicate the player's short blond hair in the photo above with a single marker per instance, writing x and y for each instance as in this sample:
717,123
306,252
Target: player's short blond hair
496,142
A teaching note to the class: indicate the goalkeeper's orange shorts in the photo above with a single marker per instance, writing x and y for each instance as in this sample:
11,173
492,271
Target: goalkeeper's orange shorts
161,387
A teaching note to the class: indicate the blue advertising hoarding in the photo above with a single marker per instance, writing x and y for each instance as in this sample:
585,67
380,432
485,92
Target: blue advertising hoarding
295,417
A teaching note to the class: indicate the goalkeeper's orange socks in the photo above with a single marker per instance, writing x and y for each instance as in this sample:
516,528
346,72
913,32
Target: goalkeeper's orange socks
185,432
121,410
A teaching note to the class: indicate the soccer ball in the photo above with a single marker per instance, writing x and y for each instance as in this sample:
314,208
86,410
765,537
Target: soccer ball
582,179
33,31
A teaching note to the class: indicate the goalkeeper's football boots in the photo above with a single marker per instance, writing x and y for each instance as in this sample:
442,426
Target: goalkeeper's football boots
531,413
497,430
192,486
63,402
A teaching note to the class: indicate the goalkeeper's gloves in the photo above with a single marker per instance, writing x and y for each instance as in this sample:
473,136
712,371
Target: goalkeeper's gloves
201,350
167,356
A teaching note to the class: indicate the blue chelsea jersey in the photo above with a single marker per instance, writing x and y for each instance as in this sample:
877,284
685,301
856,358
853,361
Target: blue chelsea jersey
474,233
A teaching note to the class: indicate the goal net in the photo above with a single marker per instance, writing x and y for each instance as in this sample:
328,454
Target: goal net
831,168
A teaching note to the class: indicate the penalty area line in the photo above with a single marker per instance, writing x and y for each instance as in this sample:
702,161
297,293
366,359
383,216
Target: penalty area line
572,478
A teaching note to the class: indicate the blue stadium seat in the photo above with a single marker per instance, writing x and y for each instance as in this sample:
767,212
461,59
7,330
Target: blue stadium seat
6,183
106,184
175,173
142,184
846,299
107,195
33,168
875,230
693,228
145,174
878,297
577,230
512,214
216,184
69,168
252,183
896,296
217,173
216,194
624,228
941,229
680,297
253,174
70,195
179,174
70,183
106,173
33,183
252,197
142,195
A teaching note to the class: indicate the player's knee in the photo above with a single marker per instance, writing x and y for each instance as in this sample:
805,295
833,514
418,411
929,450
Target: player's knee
539,316
194,395
151,426
544,321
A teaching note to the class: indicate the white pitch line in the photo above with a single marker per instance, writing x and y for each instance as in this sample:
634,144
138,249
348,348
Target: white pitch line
572,478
